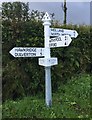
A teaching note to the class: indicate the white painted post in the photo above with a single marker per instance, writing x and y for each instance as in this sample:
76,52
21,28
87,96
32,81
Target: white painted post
48,96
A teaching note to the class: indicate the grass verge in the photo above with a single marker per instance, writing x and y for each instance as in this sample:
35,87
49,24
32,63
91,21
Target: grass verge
72,100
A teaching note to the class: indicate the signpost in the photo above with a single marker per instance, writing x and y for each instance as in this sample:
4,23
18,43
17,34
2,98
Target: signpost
59,32
62,39
27,52
48,91
47,62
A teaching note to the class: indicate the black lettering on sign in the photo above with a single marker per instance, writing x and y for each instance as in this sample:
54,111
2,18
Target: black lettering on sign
16,54
59,39
23,50
55,34
27,49
20,54
65,39
53,29
25,54
55,39
41,52
30,54
16,50
65,43
60,30
66,34
74,33
33,54
33,49
53,44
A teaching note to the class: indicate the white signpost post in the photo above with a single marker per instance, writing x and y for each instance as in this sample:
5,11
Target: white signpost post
48,92
62,39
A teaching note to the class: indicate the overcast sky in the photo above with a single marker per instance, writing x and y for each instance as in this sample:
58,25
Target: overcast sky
77,12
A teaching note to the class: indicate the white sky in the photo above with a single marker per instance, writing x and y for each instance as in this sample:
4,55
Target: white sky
77,12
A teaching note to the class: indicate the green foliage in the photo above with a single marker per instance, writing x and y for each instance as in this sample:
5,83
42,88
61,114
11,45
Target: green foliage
77,57
70,101
16,11
23,76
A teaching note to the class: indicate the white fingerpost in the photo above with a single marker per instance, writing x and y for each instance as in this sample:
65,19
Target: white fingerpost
62,39
48,96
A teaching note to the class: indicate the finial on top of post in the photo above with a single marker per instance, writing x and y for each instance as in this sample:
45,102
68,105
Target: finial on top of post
46,18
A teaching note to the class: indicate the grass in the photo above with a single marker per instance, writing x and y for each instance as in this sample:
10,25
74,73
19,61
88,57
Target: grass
72,100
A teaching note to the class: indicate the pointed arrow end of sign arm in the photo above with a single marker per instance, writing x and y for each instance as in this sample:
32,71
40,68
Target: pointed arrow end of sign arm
76,34
12,52
69,40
